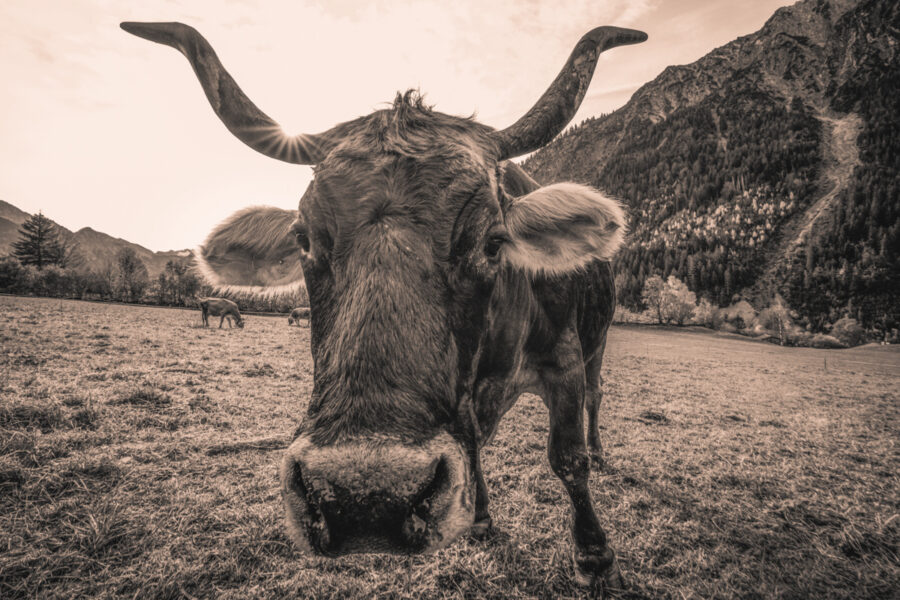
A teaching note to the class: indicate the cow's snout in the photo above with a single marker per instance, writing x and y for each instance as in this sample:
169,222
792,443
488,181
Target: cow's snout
376,496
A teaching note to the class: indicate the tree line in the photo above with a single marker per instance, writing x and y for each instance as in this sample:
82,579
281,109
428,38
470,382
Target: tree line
42,263
670,302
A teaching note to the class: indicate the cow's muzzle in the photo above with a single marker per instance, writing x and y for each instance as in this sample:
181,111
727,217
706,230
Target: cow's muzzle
375,495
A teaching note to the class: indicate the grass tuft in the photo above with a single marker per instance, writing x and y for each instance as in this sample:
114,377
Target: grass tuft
145,396
260,370
26,414
654,417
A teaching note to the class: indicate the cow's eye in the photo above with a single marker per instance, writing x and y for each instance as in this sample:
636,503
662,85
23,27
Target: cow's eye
494,243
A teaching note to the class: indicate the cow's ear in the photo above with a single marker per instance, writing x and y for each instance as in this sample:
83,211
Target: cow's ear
252,252
561,228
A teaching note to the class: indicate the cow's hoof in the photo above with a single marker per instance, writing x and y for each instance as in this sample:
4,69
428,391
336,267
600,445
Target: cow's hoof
597,461
598,571
483,529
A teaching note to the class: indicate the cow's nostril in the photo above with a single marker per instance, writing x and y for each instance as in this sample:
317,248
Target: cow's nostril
415,527
440,479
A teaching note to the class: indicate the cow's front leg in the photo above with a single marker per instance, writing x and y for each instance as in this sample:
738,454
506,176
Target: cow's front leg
595,562
483,525
593,400
222,320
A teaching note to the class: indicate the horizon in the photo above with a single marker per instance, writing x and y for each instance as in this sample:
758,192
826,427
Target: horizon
77,76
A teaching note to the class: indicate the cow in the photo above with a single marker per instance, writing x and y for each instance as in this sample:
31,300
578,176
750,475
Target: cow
297,314
220,307
444,282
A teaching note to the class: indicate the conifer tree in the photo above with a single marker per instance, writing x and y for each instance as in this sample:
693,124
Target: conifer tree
39,243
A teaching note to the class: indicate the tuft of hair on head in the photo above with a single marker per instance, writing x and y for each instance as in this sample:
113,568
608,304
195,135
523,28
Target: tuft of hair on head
411,99
562,228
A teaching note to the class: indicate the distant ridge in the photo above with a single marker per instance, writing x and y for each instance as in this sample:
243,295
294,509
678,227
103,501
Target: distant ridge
95,248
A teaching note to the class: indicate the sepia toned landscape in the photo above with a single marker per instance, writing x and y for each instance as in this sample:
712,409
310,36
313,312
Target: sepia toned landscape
341,299
140,453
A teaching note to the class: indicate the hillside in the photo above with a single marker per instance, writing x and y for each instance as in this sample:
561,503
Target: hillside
8,234
94,248
771,165
11,213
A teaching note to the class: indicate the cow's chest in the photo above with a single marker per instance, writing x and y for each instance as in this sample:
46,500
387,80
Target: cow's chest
495,395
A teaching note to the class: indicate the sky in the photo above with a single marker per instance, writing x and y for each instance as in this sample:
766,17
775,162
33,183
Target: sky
102,129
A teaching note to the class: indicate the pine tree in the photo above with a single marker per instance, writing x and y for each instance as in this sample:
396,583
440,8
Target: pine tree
693,273
39,243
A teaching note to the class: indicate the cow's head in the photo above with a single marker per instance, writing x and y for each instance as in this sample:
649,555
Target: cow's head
412,218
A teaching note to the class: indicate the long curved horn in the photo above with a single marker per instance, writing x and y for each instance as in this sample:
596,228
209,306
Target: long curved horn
234,108
560,102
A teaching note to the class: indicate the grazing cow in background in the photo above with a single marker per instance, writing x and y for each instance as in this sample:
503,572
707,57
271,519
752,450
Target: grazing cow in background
297,314
443,282
220,307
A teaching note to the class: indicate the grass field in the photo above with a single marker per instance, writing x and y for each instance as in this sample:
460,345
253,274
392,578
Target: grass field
139,453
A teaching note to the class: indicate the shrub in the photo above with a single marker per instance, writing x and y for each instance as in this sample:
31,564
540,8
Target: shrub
797,337
708,314
623,315
739,314
820,340
54,281
849,332
10,274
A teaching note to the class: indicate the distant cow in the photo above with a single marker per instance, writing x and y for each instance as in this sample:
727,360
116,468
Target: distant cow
297,314
220,307
443,283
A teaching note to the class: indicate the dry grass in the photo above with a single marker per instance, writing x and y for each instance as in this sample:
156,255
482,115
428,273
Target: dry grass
139,453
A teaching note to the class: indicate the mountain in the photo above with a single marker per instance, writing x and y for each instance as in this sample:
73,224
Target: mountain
769,166
10,219
94,248
10,213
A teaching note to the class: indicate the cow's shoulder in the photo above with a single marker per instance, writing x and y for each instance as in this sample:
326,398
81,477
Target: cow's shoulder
581,303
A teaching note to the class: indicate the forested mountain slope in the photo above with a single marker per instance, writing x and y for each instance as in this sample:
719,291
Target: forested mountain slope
771,165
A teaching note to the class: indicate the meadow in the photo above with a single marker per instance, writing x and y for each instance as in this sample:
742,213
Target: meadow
139,455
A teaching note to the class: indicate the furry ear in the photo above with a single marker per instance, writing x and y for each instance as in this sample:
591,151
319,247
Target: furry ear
562,227
252,252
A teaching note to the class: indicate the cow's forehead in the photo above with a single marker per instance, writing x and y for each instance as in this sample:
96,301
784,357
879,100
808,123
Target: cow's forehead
355,178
